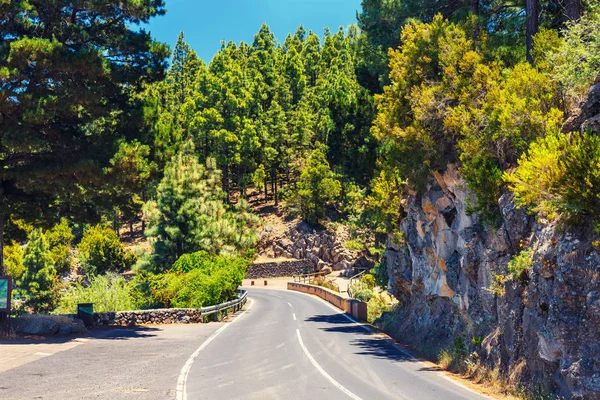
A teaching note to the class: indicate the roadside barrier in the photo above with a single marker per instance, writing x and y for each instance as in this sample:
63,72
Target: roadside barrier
171,315
353,307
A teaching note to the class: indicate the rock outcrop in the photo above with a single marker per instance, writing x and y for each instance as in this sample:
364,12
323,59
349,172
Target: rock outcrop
545,329
587,117
324,249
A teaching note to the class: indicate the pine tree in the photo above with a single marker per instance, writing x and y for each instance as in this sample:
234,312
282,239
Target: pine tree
40,283
190,214
67,74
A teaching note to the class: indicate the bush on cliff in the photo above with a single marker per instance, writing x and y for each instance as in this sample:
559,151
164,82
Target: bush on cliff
559,177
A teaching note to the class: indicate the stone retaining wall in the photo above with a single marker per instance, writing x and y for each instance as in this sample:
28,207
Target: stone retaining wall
276,270
356,308
150,317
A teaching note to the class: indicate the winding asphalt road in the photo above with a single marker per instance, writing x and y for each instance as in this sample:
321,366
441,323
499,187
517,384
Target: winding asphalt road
286,345
290,345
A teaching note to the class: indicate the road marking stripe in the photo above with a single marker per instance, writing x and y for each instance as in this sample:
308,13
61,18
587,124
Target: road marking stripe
289,304
322,371
183,375
294,315
396,345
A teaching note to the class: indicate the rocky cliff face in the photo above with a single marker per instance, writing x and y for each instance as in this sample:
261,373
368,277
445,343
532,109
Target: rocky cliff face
545,329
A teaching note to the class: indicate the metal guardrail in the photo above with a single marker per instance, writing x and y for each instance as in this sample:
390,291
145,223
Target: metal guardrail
308,278
236,305
351,282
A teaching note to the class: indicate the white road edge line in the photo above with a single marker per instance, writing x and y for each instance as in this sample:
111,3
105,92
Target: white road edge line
182,380
400,349
322,371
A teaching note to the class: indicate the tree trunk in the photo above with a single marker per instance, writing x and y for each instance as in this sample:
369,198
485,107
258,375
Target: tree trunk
573,10
532,25
131,228
274,184
2,270
475,11
226,181
276,191
266,189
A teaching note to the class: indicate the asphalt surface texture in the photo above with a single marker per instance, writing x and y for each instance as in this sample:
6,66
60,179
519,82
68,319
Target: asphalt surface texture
286,345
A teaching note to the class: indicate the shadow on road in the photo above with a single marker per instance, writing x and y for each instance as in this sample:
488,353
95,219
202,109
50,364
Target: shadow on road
341,322
100,333
370,344
381,348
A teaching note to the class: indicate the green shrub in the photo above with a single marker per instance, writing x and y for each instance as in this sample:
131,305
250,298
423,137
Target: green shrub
13,260
316,188
60,239
101,251
368,280
360,291
376,306
381,274
454,357
326,283
40,285
559,177
195,280
108,293
520,265
355,244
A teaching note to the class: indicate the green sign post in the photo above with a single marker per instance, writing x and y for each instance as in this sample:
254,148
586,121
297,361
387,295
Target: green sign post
5,292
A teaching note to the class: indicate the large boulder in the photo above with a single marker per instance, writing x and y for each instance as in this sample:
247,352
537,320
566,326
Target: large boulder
35,325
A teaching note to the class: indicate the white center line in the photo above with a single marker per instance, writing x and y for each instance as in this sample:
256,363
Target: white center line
294,315
322,371
182,380
290,304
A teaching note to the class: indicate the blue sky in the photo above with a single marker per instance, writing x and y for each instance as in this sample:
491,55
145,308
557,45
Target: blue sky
207,22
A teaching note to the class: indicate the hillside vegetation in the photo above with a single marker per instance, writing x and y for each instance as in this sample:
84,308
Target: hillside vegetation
99,129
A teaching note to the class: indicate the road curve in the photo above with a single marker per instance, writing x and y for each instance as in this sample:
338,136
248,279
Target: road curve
294,346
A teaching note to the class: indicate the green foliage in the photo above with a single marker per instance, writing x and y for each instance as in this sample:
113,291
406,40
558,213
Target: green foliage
520,265
498,285
13,260
381,274
356,244
109,293
190,214
60,239
376,306
447,104
68,78
559,177
101,251
385,202
361,291
326,283
40,284
368,280
317,187
454,357
576,60
196,280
